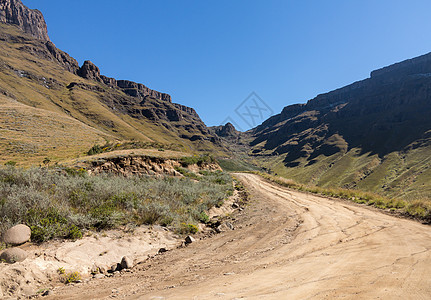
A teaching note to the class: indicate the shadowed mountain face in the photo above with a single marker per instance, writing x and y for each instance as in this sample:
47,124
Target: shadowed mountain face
37,74
373,119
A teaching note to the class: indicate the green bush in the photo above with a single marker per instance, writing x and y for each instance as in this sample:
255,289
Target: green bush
197,160
96,149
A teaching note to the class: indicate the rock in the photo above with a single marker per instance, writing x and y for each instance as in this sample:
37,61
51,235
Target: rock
189,239
68,62
102,269
94,269
227,130
163,250
30,21
13,255
115,267
126,263
46,293
17,235
230,226
98,276
89,71
235,205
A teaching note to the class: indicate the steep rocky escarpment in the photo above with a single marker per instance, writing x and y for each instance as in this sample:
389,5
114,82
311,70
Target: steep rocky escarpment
90,71
28,20
35,72
373,134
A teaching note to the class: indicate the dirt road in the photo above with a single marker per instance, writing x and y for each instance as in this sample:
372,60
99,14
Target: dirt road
286,245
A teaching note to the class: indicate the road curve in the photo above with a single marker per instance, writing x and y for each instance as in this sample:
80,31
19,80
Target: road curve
286,245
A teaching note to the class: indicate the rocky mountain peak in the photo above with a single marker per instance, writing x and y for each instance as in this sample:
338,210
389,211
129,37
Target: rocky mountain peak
89,71
28,20
227,130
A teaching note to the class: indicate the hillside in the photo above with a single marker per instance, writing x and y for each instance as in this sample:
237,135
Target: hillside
374,134
35,74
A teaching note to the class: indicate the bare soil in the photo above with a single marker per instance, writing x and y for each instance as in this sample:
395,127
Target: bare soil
285,245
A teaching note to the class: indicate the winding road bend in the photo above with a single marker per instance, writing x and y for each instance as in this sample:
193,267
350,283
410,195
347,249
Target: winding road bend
286,245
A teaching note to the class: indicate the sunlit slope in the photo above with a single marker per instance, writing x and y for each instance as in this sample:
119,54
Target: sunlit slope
32,75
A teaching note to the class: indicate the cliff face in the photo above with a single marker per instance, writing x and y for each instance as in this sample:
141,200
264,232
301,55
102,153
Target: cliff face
35,72
28,20
133,89
373,134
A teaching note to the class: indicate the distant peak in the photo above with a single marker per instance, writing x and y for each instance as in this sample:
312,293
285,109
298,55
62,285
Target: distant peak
30,21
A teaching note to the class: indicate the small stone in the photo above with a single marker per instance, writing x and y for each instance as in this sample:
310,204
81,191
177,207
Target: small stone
94,269
126,263
13,255
115,267
189,239
230,226
17,235
229,273
99,276
163,250
116,272
235,205
46,293
102,269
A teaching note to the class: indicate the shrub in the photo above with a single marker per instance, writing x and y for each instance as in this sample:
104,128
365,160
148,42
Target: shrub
70,277
196,160
188,228
96,149
61,204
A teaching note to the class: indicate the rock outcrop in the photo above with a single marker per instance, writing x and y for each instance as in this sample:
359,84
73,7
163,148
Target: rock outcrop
227,130
141,165
68,62
137,90
28,20
418,66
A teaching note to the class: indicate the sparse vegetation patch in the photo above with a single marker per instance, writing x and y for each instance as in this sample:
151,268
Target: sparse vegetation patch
59,203
418,209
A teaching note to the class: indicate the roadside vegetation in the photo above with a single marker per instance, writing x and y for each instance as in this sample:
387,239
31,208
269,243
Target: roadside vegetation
63,203
127,145
418,209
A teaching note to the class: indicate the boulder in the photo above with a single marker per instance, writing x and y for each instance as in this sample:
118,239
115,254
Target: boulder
13,255
189,239
17,235
126,263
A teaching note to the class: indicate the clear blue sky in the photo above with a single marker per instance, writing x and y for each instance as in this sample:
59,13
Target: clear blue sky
211,55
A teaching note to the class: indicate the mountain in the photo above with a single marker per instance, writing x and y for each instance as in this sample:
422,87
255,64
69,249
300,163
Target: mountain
37,76
374,134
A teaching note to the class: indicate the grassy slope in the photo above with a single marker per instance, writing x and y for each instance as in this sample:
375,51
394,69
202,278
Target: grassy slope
29,134
83,105
403,175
